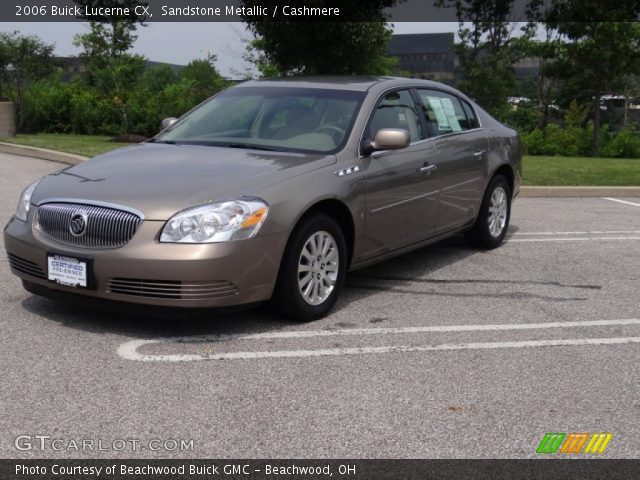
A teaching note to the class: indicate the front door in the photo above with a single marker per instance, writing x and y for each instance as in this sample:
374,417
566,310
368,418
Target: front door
401,188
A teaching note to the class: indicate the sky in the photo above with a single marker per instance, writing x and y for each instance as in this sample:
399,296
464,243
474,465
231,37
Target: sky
179,43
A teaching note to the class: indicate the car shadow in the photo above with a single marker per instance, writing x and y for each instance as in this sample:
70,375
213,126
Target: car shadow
119,319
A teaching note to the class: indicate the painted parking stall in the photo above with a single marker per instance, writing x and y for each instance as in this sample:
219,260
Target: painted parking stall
445,352
131,350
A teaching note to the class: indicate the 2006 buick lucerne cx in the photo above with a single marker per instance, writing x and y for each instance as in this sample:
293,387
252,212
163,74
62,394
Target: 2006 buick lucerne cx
272,189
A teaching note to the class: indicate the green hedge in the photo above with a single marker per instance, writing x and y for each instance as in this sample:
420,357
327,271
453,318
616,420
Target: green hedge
55,106
576,142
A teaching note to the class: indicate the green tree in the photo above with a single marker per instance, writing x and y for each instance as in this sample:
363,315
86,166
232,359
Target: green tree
115,34
156,78
546,83
110,71
598,56
206,79
111,76
109,68
23,60
321,48
47,105
488,50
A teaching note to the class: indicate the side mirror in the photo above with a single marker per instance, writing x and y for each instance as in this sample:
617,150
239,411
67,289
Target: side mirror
388,139
167,122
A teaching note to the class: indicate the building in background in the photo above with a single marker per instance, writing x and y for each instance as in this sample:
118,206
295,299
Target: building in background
425,55
432,56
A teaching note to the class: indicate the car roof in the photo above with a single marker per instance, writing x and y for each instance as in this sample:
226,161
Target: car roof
346,82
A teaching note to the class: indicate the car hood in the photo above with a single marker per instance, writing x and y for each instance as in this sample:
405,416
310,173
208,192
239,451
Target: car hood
162,179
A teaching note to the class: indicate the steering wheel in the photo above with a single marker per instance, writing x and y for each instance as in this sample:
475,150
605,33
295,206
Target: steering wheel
333,131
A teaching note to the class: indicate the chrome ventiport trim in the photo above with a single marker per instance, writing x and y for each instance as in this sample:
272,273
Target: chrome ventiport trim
347,171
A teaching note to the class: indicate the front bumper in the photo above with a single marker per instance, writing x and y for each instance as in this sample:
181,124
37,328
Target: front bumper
145,271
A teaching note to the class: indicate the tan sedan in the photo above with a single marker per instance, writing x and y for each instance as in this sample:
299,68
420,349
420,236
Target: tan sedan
272,189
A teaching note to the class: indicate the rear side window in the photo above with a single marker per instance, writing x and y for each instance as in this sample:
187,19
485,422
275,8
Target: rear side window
445,113
398,110
472,121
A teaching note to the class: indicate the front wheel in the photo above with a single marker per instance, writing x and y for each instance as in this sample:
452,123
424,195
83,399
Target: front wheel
312,271
493,219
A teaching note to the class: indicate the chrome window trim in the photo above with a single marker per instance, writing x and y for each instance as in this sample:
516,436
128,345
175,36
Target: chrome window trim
95,203
460,99
424,140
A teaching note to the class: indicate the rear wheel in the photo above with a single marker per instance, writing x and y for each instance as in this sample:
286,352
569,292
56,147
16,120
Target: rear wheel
312,270
493,219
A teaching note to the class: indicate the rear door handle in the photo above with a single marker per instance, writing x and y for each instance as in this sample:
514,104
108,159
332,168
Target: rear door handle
427,168
479,153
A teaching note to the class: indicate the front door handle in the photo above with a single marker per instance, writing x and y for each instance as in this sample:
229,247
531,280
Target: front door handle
479,153
427,168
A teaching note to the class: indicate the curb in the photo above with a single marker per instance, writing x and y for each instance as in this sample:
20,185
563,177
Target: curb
525,191
533,192
41,153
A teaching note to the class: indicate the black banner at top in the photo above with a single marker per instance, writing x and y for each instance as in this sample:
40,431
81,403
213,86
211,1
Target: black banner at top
285,10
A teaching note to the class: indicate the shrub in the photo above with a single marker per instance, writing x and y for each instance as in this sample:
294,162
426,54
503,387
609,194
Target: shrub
533,142
524,117
91,113
47,105
625,144
570,141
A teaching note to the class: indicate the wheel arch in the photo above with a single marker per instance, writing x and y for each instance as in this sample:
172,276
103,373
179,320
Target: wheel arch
506,171
337,210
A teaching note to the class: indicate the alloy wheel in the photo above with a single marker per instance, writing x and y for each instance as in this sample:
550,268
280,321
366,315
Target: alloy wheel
318,267
498,206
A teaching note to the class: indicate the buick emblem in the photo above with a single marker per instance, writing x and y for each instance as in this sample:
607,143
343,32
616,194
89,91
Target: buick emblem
78,224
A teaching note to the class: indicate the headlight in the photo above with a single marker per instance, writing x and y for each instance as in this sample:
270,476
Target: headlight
25,201
218,222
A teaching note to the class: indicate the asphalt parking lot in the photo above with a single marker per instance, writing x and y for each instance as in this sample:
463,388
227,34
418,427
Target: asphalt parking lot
444,352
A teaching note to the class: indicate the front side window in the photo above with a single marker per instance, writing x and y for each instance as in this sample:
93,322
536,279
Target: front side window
444,113
271,118
397,110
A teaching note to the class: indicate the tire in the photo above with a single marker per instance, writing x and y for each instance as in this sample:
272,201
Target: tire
484,233
307,288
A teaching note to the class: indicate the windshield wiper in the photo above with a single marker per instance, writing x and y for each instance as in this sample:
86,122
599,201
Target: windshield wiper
248,146
251,146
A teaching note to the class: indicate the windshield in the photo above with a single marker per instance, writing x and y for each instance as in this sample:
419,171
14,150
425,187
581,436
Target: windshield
271,118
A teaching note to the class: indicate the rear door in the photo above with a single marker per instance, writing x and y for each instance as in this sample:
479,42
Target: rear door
401,193
461,158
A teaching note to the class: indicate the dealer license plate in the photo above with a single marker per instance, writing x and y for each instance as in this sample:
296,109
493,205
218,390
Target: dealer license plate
67,271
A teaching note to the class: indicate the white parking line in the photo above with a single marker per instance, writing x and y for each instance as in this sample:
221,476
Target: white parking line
569,239
387,349
621,201
129,350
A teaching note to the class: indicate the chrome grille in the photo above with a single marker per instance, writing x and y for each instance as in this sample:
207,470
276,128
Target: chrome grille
26,266
105,227
173,289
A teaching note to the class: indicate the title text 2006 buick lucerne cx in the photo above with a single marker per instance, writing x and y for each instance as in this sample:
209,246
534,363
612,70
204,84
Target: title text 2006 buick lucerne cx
272,189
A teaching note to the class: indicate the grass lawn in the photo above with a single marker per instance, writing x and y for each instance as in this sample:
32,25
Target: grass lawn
582,171
87,145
